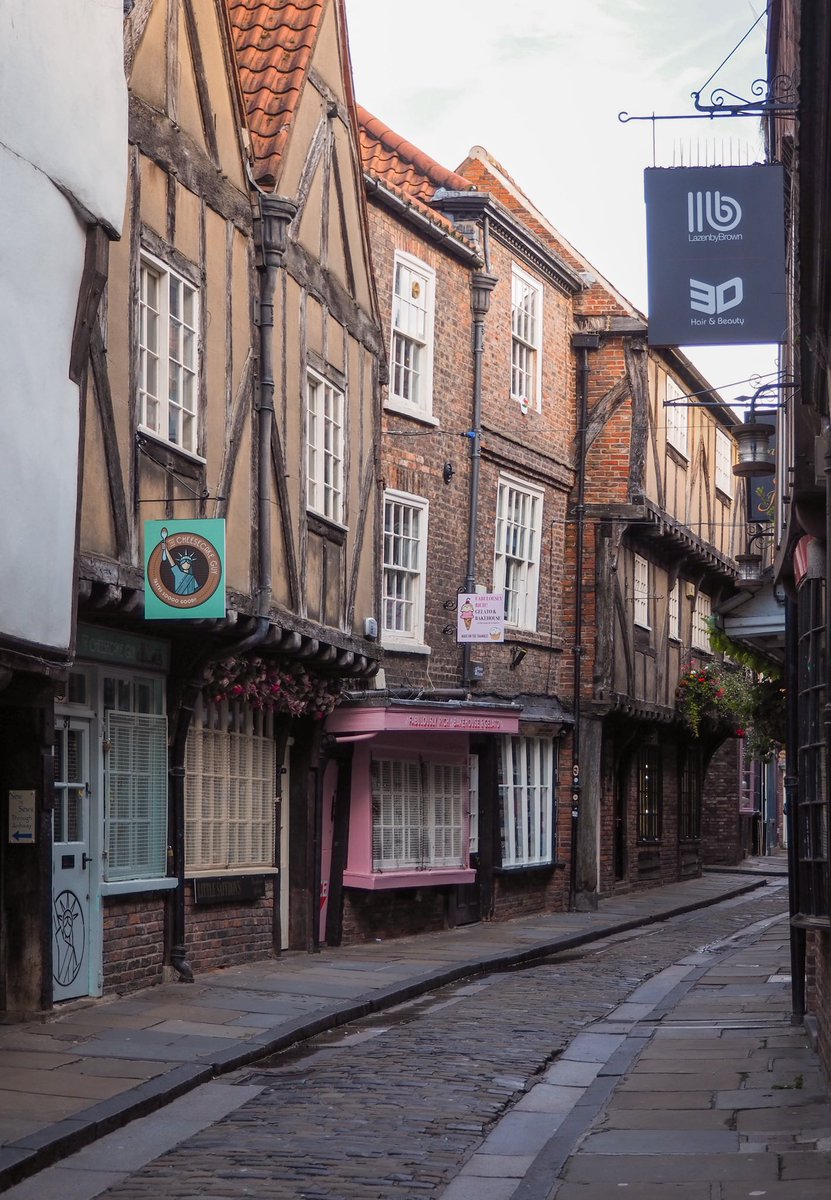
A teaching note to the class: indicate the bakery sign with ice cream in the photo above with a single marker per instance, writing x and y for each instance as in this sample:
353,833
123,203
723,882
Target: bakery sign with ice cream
481,617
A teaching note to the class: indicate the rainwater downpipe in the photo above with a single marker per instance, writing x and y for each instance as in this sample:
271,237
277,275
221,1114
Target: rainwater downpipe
270,237
481,286
582,342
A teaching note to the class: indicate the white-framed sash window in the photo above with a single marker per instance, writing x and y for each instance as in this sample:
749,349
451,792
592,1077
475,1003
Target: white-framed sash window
641,591
325,447
674,611
677,417
517,551
526,338
411,356
404,568
168,352
702,612
724,463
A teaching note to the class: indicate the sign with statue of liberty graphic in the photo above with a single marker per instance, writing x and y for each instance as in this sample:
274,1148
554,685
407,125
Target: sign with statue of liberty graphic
184,569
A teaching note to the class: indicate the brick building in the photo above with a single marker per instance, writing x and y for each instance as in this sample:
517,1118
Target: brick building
527,450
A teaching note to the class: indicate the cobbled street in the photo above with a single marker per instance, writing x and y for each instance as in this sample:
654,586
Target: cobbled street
394,1105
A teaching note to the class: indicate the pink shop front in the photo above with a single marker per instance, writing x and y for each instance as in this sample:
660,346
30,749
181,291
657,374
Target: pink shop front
410,812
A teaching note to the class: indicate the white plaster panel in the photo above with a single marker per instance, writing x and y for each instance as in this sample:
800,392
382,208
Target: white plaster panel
42,247
63,97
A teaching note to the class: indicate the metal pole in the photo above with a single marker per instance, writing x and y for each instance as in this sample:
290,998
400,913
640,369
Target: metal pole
481,286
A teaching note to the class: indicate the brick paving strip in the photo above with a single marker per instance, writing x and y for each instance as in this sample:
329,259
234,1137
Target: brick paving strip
90,1069
696,1088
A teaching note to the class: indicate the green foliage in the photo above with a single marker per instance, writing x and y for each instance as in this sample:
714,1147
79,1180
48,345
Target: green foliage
720,643
722,701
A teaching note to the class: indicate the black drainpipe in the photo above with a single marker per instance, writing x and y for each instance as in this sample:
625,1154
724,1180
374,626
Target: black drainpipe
791,681
583,342
270,233
481,286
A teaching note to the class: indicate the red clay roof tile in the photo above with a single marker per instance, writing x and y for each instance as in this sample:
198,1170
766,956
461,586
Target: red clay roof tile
405,170
273,42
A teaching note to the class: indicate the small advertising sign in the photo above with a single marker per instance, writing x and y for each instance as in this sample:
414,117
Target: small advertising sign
184,569
22,818
481,617
715,255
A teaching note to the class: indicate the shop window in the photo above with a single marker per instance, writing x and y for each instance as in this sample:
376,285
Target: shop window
417,815
526,794
230,789
411,370
648,782
135,776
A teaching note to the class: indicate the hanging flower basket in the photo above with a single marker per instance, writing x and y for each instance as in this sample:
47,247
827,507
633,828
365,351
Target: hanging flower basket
286,687
717,700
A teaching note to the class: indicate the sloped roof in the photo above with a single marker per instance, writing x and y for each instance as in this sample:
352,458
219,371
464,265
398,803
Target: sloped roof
273,42
482,170
406,171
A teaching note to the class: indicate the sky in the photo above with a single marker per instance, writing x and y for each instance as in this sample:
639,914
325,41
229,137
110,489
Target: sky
541,85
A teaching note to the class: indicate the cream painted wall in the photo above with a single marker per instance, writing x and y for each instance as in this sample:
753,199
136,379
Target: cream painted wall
63,129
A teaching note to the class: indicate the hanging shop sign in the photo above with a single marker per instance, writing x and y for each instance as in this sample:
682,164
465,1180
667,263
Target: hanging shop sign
184,569
715,240
481,617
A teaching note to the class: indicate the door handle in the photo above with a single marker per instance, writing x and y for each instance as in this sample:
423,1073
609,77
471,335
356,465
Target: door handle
86,859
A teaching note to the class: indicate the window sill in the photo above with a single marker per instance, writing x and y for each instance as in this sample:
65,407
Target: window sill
386,880
724,497
178,453
230,872
124,887
400,408
325,527
678,456
530,869
406,647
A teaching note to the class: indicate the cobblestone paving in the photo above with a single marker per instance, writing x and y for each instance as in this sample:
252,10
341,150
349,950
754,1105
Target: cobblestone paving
394,1105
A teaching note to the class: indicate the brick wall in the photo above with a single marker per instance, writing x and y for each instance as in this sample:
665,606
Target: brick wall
133,942
721,825
523,893
378,916
223,935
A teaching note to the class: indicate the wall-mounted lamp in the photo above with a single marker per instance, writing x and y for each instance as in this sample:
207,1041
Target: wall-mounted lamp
448,472
755,451
750,572
754,437
517,655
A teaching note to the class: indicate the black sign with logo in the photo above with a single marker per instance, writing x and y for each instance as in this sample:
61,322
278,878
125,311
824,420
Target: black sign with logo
715,240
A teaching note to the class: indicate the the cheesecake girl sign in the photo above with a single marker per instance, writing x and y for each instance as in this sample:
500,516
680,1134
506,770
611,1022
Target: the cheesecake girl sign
184,569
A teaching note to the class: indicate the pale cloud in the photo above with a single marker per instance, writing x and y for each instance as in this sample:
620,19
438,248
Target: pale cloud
542,94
